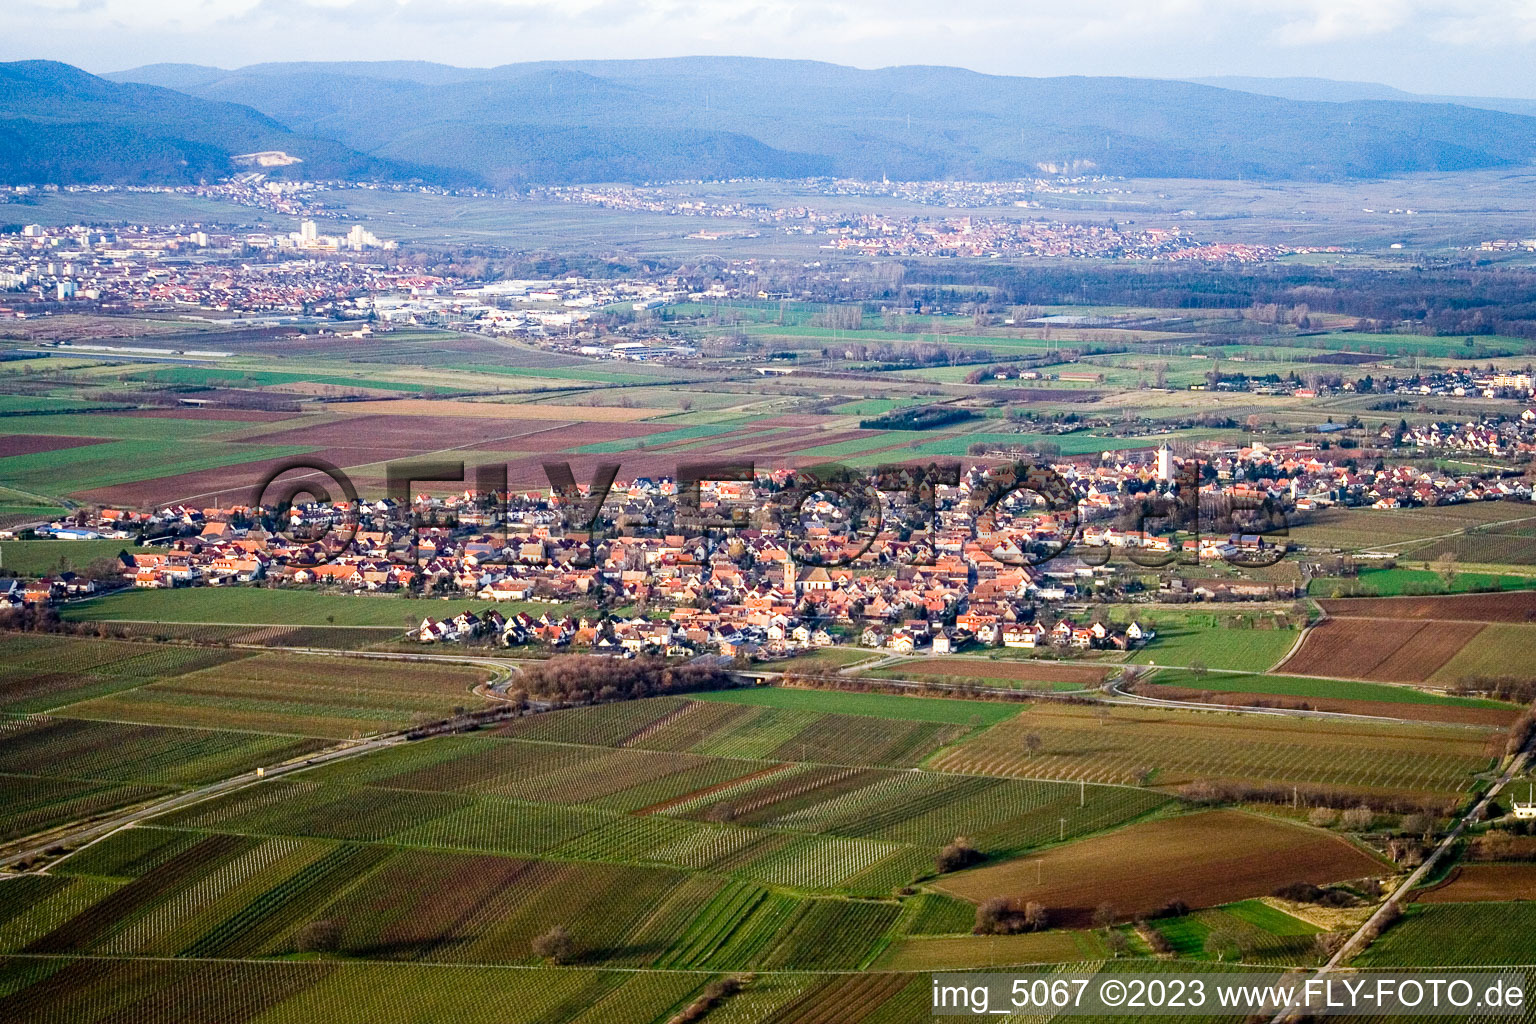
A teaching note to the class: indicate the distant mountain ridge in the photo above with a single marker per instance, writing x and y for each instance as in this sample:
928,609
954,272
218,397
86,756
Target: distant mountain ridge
570,121
60,125
1331,91
710,117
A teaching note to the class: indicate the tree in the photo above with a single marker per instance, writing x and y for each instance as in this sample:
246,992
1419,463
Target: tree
1116,941
1036,918
1197,669
1223,944
1357,819
555,945
319,937
994,917
1104,915
1445,568
958,854
1033,743
1322,817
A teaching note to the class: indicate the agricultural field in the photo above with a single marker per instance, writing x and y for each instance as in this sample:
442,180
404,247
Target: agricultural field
286,607
246,689
293,992
808,825
1258,934
41,557
1483,883
1404,652
728,729
58,770
1241,650
289,693
914,709
1419,639
1024,674
1402,582
1515,607
826,659
1498,649
41,673
1455,935
1203,860
1346,696
1410,531
1168,748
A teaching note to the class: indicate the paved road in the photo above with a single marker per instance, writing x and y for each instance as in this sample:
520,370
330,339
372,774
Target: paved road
1112,693
76,837
1357,942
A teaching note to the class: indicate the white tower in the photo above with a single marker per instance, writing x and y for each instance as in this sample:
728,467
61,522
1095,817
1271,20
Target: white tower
1165,464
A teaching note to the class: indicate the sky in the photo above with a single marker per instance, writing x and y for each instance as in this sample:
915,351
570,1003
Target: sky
1453,47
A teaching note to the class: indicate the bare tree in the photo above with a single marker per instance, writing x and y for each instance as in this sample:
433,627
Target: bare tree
1223,944
1445,568
319,937
555,945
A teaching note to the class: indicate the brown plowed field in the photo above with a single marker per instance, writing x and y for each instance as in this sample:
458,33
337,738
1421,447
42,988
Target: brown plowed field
232,483
1507,606
421,433
1386,651
211,413
32,444
501,410
1478,883
1203,859
564,436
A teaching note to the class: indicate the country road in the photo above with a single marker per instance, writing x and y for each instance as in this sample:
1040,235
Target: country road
78,835
1363,936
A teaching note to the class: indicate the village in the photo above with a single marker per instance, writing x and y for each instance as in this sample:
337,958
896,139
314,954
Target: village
938,575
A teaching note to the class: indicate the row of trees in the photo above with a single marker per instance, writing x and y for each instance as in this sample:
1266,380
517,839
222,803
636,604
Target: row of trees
582,679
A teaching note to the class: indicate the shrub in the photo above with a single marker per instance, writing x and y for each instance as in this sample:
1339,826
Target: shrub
957,855
555,945
319,937
1299,892
1357,819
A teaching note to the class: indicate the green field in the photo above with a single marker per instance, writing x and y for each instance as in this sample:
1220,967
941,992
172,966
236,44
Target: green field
1398,582
38,557
244,378
911,709
1291,686
121,462
1457,934
585,372
1243,650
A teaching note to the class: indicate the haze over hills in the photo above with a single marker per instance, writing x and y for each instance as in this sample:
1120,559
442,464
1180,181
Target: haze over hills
59,124
710,117
1334,91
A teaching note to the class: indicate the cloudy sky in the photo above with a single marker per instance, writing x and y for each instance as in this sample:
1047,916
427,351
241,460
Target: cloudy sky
1468,47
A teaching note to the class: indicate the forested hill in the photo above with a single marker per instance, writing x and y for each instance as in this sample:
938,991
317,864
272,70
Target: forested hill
59,124
711,117
719,116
